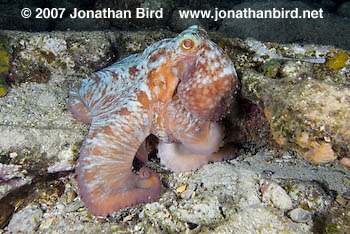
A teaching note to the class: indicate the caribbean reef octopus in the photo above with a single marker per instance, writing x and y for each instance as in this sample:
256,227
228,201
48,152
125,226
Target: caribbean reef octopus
176,89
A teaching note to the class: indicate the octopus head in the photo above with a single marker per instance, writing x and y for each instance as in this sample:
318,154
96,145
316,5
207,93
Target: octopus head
206,74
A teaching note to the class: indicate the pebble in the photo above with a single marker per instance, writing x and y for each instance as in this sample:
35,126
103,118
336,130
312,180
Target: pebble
300,215
273,193
73,206
26,220
181,188
60,206
13,155
189,192
341,201
47,222
71,195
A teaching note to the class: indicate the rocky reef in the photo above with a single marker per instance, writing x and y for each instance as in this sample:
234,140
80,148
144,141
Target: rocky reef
293,105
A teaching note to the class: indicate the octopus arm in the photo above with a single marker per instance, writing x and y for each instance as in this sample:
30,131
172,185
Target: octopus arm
179,158
78,108
199,142
104,174
198,136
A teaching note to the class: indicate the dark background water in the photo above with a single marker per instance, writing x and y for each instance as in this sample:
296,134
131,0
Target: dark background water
333,28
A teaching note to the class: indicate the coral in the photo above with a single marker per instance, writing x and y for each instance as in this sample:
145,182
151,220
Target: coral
337,61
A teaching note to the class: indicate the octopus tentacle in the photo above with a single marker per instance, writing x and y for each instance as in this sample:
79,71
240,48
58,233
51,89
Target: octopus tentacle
202,137
200,141
141,153
180,159
78,108
105,176
206,140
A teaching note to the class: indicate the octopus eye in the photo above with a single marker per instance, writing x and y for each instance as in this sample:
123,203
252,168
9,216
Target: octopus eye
187,44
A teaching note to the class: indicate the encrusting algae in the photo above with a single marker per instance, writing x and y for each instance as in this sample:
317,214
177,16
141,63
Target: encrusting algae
4,66
337,61
3,87
270,68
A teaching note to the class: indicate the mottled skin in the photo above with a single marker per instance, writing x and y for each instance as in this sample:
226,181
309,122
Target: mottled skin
176,89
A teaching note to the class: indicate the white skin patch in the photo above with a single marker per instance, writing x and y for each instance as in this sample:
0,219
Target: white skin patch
228,70
144,88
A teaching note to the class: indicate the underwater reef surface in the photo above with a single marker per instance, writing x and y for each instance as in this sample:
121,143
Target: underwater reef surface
293,109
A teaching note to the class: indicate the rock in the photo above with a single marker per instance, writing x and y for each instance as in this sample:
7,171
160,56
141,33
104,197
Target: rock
215,193
6,211
300,122
345,162
37,57
274,194
158,214
260,219
300,215
189,192
337,220
12,177
309,196
25,221
74,206
38,129
238,184
44,57
199,210
306,107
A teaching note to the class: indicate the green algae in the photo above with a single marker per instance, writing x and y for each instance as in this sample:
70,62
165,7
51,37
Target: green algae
271,68
3,86
338,61
4,65
4,54
331,228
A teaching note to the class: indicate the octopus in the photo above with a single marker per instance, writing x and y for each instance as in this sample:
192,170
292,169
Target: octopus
176,89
